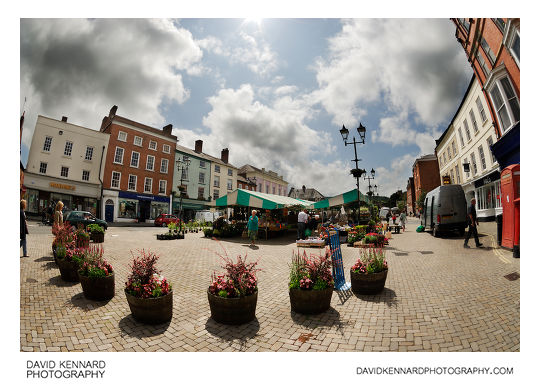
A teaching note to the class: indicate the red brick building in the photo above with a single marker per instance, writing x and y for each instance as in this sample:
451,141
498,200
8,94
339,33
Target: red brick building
138,177
411,196
425,174
492,47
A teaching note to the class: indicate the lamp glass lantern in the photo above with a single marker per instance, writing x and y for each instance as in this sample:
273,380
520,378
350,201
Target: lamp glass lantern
344,133
362,132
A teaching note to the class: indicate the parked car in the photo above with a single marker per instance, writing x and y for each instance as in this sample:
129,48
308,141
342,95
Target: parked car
86,218
445,209
164,220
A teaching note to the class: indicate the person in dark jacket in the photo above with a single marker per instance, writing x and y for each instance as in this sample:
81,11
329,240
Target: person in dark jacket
473,223
24,228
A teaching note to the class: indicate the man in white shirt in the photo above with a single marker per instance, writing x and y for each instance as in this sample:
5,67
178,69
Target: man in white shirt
302,220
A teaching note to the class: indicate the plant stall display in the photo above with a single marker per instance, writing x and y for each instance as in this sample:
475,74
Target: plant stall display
97,234
175,232
311,283
95,274
233,295
82,238
149,294
375,240
368,274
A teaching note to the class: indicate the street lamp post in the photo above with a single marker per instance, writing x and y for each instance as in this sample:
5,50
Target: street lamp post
182,166
356,172
369,178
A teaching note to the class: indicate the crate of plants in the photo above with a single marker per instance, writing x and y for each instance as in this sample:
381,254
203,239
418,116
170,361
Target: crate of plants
372,240
97,233
311,242
174,232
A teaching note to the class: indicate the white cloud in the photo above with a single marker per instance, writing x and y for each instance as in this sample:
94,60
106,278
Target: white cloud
399,171
283,90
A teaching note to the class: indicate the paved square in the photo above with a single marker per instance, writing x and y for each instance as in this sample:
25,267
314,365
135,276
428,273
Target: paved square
438,297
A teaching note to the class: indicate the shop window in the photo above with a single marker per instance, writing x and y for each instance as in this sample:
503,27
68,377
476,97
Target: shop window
481,110
115,179
150,162
64,171
467,132
122,136
152,145
134,159
473,120
42,168
119,155
47,144
505,101
162,186
132,182
89,153
164,165
158,208
68,148
148,185
166,149
128,208
482,157
137,141
86,175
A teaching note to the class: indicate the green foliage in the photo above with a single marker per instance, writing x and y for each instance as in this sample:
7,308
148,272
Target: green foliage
320,285
420,200
222,293
216,233
208,232
95,228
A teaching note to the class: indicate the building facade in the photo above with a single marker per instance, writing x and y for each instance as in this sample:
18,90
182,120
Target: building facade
267,181
464,153
411,197
308,194
65,162
138,177
246,184
425,174
223,175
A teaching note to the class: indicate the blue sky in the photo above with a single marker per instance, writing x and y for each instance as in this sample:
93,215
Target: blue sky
273,91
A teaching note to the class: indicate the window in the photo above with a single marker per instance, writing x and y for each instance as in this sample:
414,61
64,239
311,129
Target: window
119,155
86,175
441,164
229,172
152,145
200,194
148,185
150,162
454,148
137,141
449,154
444,158
122,136
165,166
229,184
134,159
216,194
506,103
201,177
482,63
467,132
162,187
452,176
490,143
461,138
480,107
466,168
68,148
473,120
185,158
132,182
216,168
482,157
465,24
202,164
514,46
64,171
115,180
184,173
42,168
457,174
89,153
274,190
267,189
499,23
47,144
216,181
260,187
166,149
489,53
474,167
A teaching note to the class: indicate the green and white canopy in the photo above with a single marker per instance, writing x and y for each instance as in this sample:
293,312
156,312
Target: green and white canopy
338,200
241,197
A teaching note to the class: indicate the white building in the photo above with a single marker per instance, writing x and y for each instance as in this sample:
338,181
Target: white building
65,162
465,156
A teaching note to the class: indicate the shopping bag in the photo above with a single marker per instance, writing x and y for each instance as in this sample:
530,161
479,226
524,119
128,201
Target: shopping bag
308,233
419,229
244,234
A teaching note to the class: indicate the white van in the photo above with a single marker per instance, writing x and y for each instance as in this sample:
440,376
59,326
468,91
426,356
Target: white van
382,212
445,209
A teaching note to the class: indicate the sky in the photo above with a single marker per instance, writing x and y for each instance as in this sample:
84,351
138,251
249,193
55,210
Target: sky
275,92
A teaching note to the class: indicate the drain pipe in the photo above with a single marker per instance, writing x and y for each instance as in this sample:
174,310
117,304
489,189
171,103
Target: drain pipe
101,185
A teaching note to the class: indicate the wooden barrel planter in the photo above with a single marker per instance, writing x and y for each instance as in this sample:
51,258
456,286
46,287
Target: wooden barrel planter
68,270
232,311
97,237
362,283
151,310
97,288
310,301
54,254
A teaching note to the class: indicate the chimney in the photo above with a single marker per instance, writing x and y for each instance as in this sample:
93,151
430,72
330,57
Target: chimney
198,145
167,130
64,118
112,112
304,189
225,155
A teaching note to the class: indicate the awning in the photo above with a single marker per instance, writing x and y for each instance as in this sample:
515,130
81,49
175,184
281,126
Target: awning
506,149
338,200
241,197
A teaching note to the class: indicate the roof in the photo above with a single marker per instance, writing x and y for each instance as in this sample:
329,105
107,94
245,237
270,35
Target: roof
338,200
249,168
307,194
152,130
241,197
424,158
202,155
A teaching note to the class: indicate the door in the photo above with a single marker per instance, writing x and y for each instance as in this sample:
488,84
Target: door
109,212
432,207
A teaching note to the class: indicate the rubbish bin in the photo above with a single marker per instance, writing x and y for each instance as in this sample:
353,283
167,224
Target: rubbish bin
499,229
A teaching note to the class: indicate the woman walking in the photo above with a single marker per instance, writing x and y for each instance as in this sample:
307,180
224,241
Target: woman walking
24,228
253,227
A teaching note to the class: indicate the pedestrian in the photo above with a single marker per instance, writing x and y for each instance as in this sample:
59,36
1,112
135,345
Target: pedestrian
24,228
403,219
473,223
388,215
58,216
253,227
302,220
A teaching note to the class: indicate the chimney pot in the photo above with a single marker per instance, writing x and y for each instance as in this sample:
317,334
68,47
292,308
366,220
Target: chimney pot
198,145
225,155
64,118
167,129
112,112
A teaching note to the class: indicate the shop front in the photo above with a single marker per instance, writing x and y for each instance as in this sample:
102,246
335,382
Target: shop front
487,192
189,207
123,206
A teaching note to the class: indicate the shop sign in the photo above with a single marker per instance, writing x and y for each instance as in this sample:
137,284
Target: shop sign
62,186
446,179
157,198
487,179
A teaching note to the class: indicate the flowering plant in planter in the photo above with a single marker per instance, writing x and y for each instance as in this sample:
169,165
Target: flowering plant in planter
81,237
92,263
95,228
374,238
238,281
371,261
64,235
145,280
311,273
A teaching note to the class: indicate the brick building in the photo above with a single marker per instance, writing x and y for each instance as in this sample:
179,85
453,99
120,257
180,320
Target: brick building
411,196
425,174
138,178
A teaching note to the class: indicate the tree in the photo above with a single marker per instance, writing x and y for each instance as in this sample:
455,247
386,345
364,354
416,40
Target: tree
395,198
420,201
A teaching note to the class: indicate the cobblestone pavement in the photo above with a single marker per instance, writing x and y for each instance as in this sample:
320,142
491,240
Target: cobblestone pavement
438,297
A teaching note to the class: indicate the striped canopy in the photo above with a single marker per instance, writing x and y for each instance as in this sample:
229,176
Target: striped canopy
241,197
338,200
